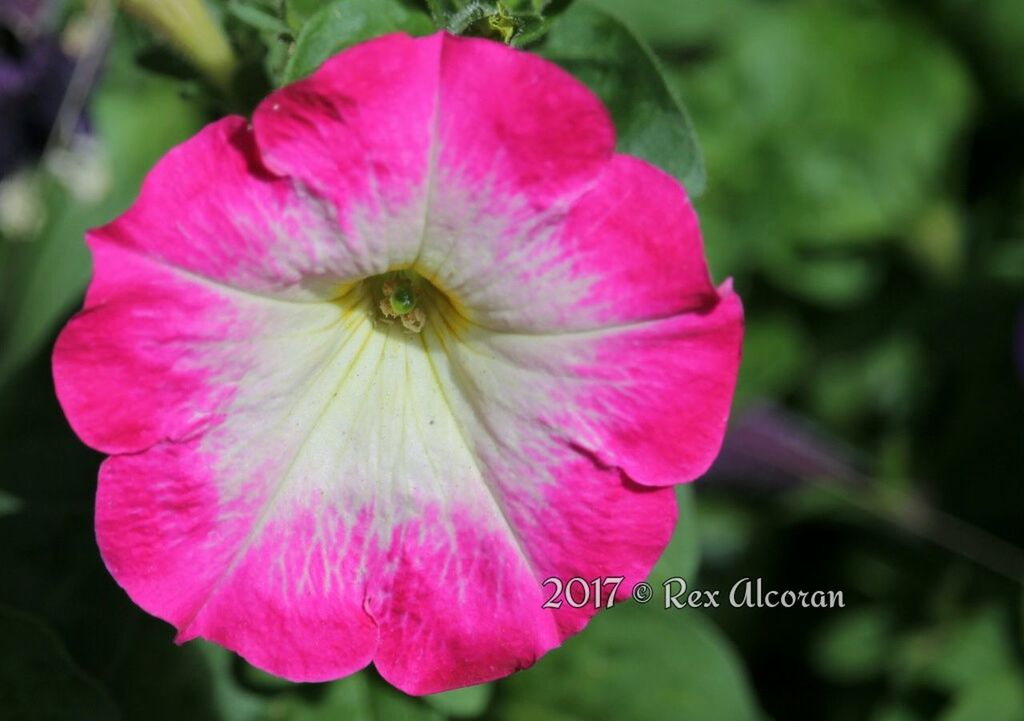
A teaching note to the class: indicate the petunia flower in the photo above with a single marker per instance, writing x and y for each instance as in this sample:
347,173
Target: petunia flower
373,367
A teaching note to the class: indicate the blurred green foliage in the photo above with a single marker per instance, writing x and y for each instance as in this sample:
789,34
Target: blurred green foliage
343,24
620,68
864,188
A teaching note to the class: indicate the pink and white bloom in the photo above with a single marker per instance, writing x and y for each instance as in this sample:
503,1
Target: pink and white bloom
317,483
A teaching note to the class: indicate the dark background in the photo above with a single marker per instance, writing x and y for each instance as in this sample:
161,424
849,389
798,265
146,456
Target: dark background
864,189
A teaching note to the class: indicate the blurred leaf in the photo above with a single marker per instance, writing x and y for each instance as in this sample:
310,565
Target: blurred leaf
300,11
155,679
883,379
828,127
390,704
676,22
233,702
994,32
682,557
622,71
463,702
348,699
994,698
725,532
855,645
936,241
634,662
775,356
9,503
826,281
257,679
972,650
38,680
895,713
244,693
344,23
258,16
1007,262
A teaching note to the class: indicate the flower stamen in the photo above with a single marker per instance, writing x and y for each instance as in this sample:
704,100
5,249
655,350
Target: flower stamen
398,301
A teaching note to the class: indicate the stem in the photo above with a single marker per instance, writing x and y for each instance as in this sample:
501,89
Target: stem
913,515
87,67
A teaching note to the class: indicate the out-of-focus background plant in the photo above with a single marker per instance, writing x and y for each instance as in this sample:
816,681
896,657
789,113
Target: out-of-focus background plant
859,173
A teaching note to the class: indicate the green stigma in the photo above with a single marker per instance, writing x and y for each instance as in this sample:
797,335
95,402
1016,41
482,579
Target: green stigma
402,300
397,300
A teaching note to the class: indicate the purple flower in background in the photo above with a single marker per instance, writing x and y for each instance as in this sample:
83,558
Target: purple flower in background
25,14
770,448
34,77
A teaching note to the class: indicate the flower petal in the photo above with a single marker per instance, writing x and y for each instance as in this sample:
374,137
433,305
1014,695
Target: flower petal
386,129
210,209
285,591
468,609
627,249
651,398
211,230
359,132
344,501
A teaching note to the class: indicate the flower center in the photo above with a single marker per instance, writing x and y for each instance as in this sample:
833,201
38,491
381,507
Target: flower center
398,296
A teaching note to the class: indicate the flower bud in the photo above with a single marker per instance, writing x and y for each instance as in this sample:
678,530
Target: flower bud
189,27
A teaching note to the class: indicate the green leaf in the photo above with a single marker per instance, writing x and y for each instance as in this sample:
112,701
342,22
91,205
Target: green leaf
39,681
826,127
463,702
623,72
257,16
993,33
994,698
827,281
232,701
855,645
244,693
972,650
682,557
725,531
9,503
634,662
390,704
676,22
775,355
884,378
360,697
299,12
349,699
895,713
344,23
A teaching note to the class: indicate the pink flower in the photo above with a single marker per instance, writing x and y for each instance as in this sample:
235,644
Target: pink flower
372,367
